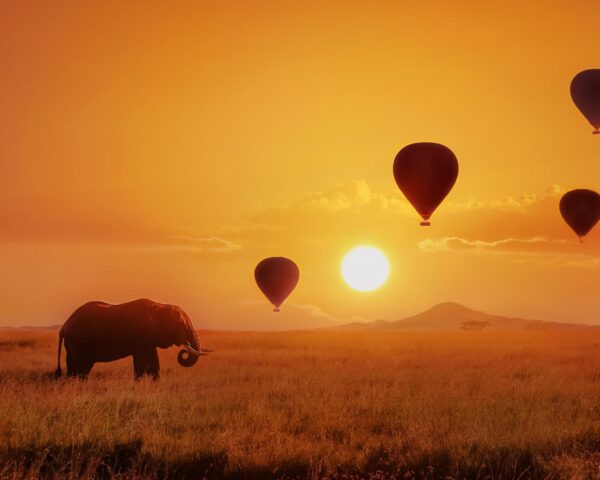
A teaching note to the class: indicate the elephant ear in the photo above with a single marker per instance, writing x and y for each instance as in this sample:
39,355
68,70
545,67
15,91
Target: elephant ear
167,324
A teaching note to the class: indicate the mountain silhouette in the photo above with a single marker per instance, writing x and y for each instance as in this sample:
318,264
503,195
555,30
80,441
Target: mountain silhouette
454,316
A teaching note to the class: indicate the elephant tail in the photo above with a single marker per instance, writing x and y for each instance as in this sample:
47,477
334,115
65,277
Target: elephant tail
58,371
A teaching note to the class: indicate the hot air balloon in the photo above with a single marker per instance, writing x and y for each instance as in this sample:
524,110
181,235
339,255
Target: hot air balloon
585,92
425,173
581,210
276,277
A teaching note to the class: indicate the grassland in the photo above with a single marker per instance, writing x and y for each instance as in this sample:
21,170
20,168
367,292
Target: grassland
352,405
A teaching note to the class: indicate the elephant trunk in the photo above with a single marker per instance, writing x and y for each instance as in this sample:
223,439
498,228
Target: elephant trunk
185,357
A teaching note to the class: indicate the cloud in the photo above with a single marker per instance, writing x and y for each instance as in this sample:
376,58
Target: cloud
524,204
538,250
186,244
347,210
341,206
208,244
527,227
574,261
354,197
353,212
454,244
350,210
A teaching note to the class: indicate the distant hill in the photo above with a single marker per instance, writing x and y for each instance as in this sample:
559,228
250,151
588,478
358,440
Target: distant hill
453,316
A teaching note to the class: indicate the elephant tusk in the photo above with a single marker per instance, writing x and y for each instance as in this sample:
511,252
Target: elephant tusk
192,350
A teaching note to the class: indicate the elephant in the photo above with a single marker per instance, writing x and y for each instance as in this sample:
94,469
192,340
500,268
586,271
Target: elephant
101,332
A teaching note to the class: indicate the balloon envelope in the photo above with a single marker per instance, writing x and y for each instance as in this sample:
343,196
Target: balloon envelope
585,92
276,277
425,173
581,210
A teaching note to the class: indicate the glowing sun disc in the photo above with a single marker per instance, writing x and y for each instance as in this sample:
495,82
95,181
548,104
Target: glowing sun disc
365,268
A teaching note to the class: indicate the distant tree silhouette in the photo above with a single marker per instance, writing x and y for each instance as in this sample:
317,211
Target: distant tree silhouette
475,325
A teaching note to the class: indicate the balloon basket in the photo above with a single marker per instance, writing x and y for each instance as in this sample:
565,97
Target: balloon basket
276,310
425,224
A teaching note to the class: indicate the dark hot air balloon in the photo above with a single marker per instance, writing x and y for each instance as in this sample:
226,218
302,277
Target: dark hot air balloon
581,210
585,92
276,277
425,173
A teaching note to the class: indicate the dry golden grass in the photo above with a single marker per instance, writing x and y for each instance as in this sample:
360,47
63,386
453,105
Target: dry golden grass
492,405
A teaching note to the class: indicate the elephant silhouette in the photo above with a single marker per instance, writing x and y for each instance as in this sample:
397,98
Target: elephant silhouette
101,332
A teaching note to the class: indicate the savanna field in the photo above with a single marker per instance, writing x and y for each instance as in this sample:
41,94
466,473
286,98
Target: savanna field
511,405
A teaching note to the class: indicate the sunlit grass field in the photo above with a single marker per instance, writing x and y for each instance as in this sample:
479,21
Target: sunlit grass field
352,405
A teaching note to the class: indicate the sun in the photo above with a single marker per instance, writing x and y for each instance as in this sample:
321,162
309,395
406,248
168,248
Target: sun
365,268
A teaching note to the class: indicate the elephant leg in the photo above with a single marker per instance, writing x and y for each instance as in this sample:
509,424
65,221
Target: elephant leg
145,362
84,368
72,363
77,366
154,364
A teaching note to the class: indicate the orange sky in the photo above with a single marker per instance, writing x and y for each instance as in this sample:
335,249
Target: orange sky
161,149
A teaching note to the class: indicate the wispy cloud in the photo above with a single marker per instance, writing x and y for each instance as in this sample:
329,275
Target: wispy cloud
207,244
452,244
187,244
563,260
351,197
521,204
537,250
